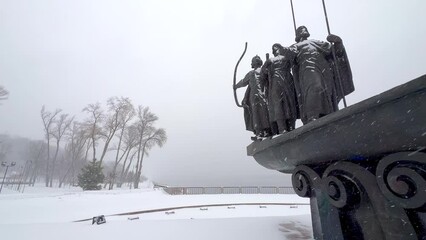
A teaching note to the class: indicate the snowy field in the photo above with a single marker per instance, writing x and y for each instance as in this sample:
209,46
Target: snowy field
51,214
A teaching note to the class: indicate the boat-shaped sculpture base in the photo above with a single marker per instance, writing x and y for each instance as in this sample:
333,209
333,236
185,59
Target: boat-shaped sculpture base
363,167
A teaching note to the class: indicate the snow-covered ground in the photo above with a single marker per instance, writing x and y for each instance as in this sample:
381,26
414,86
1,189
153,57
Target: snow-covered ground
51,214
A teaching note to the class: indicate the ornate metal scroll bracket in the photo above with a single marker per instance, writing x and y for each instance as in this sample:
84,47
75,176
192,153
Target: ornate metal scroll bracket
374,199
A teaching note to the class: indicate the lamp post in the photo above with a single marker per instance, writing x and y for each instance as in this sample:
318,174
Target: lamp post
7,165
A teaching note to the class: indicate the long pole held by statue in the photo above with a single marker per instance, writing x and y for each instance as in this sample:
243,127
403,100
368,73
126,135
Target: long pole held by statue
333,51
294,19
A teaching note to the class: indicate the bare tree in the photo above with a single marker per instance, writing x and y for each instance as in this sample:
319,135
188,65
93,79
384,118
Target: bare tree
157,137
4,149
124,111
88,146
126,175
3,93
148,137
37,150
129,142
93,124
75,150
145,120
48,118
120,112
60,127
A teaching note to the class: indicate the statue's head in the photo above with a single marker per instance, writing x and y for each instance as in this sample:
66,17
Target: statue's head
256,62
277,49
302,33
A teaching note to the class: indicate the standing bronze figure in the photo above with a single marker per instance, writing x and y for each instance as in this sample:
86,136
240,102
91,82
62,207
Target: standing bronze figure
254,102
317,86
281,95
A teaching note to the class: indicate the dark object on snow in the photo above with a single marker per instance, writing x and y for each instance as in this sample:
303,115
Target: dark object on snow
362,167
99,220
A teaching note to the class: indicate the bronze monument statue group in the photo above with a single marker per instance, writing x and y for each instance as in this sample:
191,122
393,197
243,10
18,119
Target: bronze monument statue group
304,81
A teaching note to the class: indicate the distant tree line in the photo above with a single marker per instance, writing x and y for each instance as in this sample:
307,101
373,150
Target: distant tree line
120,132
3,93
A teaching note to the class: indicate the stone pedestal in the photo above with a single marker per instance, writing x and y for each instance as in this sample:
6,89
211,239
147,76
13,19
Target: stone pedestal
363,167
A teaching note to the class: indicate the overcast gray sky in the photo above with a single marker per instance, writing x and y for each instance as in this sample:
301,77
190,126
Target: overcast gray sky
178,57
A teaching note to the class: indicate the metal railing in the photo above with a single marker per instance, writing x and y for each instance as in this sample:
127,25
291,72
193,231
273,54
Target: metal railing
227,190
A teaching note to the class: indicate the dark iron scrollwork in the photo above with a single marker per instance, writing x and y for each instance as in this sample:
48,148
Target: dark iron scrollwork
341,191
402,179
371,205
304,180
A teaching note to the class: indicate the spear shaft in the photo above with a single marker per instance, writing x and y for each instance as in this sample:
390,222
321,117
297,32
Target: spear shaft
294,19
326,17
333,51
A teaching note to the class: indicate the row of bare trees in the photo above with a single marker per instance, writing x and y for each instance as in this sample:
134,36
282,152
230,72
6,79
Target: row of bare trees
119,136
27,154
3,93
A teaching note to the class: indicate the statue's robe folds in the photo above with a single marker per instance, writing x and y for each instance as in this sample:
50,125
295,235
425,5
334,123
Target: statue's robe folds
254,103
345,85
281,94
318,88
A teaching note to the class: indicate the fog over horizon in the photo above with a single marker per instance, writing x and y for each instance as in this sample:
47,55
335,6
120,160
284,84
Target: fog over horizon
178,58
